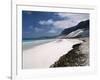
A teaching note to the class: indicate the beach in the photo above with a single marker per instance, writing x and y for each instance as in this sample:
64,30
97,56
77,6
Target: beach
46,54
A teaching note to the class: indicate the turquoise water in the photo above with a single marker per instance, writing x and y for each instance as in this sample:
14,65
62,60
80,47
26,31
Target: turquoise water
27,44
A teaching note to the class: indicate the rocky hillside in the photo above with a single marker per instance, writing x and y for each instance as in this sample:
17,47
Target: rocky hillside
80,30
78,56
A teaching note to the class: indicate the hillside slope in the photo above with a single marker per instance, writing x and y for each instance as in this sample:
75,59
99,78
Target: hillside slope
80,30
78,56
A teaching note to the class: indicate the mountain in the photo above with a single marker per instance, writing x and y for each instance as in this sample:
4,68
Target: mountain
80,30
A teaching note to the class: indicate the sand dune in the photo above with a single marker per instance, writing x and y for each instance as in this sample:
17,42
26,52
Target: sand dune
44,55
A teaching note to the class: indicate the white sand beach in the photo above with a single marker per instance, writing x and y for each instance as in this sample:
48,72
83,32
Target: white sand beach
44,55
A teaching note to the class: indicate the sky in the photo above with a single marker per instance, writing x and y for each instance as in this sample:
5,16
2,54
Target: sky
37,24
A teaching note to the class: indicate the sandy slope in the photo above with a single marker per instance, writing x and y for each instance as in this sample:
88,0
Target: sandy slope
46,54
78,56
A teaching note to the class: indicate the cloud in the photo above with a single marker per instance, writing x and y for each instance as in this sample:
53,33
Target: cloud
38,29
52,31
31,27
65,24
70,19
76,16
29,12
48,22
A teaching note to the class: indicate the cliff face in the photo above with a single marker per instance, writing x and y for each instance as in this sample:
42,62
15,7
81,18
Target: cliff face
80,30
78,56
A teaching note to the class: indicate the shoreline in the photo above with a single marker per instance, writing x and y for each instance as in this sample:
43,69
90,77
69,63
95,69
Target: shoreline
34,43
44,55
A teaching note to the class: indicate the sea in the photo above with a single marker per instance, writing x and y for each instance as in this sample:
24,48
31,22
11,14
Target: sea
28,44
